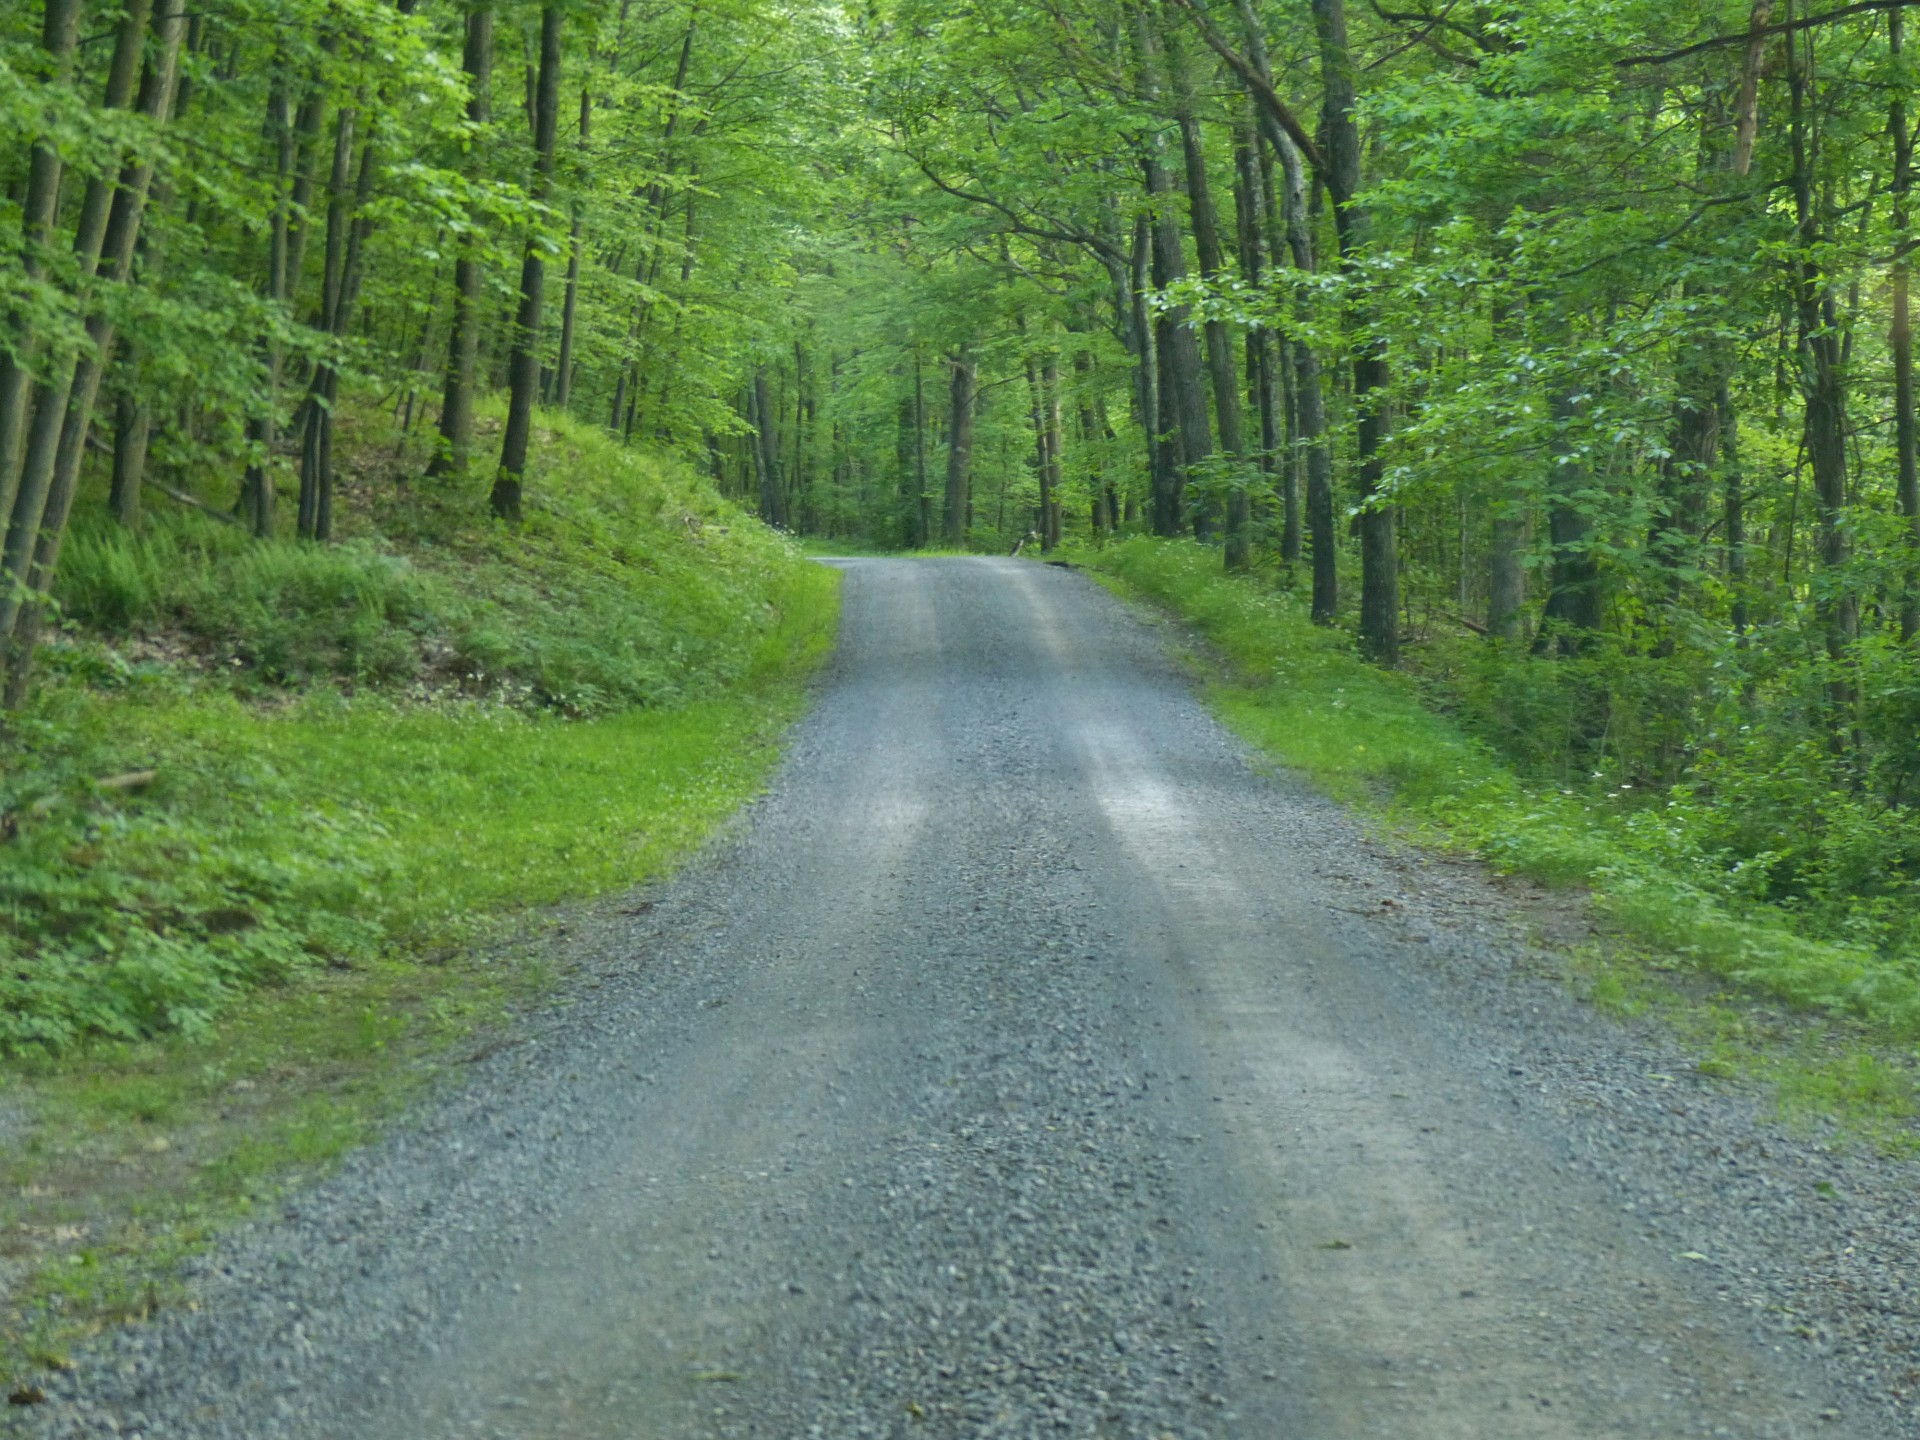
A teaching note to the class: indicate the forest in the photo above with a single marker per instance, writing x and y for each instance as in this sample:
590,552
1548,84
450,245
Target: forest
1557,356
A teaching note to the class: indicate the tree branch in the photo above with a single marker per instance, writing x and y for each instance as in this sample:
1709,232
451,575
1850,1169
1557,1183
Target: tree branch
1021,226
1785,27
1257,84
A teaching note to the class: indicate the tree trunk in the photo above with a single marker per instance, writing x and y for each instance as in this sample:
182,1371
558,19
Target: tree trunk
766,453
256,487
1506,555
1825,424
1735,501
1221,369
1149,392
960,447
1907,443
58,38
563,367
22,610
132,428
1379,550
1250,232
1573,608
1056,447
28,484
523,365
1183,391
454,454
316,440
1309,432
923,505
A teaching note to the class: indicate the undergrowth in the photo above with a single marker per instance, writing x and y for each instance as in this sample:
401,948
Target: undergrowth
1659,865
252,761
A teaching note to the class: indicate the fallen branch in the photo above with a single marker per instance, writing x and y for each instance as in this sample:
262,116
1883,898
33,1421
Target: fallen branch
185,499
132,780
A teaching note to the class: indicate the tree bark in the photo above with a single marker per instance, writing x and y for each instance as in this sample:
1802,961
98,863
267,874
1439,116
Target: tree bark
58,38
1906,438
1183,390
454,454
923,504
1309,433
1221,369
1161,477
563,367
523,365
256,486
316,440
766,453
1379,549
1825,424
1250,226
963,397
23,609
1574,602
132,429
34,484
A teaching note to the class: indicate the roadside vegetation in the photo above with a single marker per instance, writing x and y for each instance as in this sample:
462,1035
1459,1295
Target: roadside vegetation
274,812
1441,753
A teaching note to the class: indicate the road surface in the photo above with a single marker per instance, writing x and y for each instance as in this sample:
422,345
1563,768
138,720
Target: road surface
1021,1067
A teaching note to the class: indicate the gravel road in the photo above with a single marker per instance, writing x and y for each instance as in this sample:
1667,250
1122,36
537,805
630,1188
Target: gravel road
1026,1064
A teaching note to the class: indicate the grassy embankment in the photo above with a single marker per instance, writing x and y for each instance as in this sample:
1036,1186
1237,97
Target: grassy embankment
1838,1025
333,776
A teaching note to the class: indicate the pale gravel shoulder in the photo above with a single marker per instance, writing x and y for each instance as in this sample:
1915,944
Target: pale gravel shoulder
1813,1246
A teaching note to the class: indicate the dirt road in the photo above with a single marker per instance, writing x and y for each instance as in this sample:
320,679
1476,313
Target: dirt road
1025,1066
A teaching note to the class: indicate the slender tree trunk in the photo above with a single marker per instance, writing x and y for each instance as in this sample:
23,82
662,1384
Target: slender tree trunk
1906,440
1056,443
523,366
1161,477
1221,370
1183,391
1379,549
132,429
1574,602
453,456
316,440
766,455
256,487
960,446
563,370
923,503
1250,231
1735,501
58,38
1308,435
1825,425
33,484
22,610
1308,397
1506,555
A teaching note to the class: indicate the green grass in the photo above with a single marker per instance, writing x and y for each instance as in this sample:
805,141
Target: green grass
379,744
1301,694
315,894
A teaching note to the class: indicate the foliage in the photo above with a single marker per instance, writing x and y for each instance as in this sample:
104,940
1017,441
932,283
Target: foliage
285,830
1669,871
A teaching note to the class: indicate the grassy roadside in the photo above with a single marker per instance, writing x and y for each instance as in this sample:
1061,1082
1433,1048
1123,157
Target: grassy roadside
215,980
1833,1027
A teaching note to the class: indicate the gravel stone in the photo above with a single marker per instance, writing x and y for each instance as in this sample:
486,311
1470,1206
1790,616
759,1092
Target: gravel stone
1029,1063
